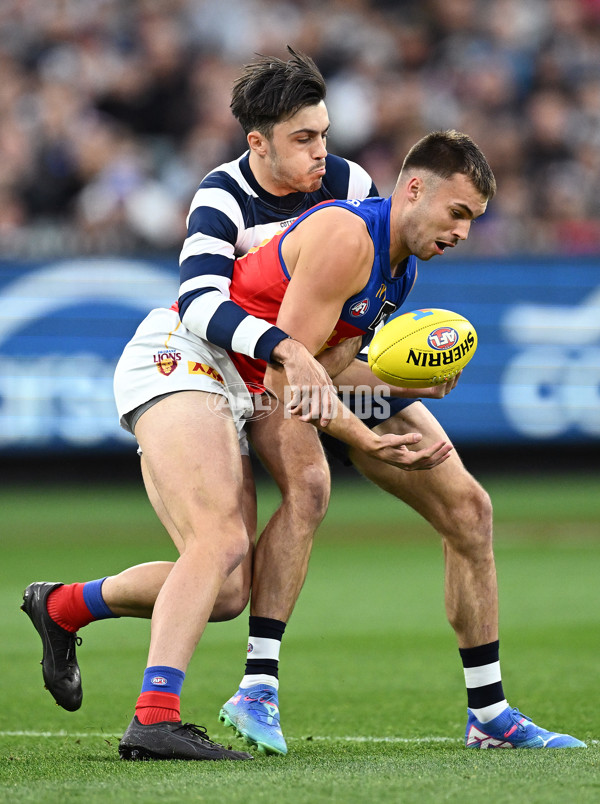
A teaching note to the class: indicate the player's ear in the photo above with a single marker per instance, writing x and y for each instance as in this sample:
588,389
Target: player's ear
414,188
257,142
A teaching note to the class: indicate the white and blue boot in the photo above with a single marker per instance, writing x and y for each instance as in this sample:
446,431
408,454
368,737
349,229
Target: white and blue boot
512,729
253,713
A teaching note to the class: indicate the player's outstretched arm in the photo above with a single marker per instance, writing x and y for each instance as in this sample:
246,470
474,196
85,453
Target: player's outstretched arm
389,448
393,449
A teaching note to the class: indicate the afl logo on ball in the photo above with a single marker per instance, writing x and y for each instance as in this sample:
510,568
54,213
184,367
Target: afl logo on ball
359,308
442,338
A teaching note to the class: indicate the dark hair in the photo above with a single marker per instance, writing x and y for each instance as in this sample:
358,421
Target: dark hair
271,90
445,153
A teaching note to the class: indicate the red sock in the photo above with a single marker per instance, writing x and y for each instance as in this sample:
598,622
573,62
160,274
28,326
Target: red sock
156,707
67,607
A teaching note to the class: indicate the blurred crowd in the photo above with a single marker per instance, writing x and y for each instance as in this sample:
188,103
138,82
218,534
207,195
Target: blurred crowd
112,111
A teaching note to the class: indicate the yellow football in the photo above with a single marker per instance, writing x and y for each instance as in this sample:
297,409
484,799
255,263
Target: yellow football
422,348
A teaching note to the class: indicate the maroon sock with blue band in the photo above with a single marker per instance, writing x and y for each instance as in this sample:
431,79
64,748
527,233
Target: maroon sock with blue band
74,605
159,699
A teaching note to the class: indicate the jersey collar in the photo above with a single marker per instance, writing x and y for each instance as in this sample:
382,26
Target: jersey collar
283,203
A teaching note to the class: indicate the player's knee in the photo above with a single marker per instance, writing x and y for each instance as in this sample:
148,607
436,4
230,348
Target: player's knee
234,550
221,543
231,603
309,496
469,525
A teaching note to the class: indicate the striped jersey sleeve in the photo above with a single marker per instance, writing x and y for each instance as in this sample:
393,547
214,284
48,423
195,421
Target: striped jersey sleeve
227,218
215,224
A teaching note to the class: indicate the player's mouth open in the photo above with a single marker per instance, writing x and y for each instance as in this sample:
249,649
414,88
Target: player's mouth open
441,245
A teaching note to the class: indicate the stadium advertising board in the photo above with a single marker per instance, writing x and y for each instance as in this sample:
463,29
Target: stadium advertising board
63,326
535,377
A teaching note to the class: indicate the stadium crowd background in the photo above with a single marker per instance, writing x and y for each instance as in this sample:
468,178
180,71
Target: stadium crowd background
111,111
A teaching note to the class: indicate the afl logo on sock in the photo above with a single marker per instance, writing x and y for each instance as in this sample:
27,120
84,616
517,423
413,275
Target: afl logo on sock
159,681
250,647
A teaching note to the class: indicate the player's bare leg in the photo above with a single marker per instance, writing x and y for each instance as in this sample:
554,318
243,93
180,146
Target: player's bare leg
456,505
292,453
200,482
459,509
132,592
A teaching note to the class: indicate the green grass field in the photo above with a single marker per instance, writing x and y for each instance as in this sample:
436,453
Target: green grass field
372,694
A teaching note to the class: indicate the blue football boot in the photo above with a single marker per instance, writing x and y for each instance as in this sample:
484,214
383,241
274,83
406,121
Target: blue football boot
511,729
253,713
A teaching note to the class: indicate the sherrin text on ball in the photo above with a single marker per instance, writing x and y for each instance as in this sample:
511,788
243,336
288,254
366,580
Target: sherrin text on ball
422,348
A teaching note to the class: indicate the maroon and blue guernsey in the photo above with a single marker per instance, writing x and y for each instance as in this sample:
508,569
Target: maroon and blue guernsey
260,279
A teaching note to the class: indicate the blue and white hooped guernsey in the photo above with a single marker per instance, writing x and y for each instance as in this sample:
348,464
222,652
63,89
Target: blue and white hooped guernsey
230,214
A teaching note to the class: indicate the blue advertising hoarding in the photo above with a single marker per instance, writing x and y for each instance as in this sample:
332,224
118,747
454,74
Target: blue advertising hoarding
536,374
534,379
63,326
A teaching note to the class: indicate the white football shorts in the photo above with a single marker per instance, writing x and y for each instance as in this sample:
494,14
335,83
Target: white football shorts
163,357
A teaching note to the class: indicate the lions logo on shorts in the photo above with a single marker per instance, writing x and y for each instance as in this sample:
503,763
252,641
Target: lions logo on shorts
166,362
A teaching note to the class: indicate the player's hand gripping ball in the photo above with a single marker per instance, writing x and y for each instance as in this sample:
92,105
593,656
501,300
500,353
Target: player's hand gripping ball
422,348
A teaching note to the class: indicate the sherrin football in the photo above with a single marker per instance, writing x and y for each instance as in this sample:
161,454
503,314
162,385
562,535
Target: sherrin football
422,348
